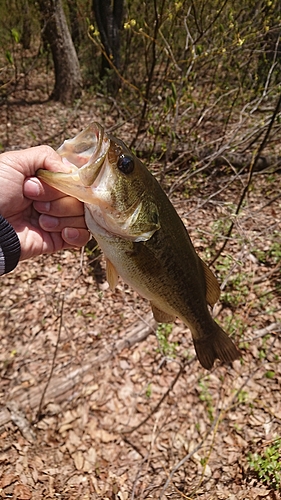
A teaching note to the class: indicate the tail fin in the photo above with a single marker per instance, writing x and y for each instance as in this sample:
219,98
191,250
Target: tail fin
216,344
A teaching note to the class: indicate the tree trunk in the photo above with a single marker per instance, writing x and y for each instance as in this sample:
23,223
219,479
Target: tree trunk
68,80
74,23
270,56
109,21
26,25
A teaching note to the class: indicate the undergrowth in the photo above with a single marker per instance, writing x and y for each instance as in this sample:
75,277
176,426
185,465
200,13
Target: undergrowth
267,464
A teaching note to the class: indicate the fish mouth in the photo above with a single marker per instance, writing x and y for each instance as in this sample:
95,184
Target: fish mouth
84,155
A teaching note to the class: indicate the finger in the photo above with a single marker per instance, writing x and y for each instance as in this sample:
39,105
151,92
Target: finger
62,207
75,237
57,224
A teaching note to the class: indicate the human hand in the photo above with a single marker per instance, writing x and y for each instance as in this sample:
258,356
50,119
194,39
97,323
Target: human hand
45,219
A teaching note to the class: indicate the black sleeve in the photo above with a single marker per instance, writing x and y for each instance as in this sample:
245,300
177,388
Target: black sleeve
9,247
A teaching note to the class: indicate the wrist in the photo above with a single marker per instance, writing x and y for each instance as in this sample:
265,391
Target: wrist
10,249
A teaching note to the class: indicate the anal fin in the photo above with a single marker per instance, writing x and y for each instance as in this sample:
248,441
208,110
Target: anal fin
161,316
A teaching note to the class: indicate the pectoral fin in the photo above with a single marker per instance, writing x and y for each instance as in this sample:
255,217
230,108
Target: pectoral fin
161,316
212,285
146,222
111,275
137,224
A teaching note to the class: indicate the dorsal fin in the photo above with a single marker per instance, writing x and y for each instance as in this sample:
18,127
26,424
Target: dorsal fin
212,285
111,274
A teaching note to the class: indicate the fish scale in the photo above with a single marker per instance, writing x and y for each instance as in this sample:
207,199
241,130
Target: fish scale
142,236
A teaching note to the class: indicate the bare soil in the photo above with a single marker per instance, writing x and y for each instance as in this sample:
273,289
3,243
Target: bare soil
93,406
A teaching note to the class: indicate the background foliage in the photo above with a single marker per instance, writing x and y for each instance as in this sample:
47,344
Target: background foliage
195,89
193,77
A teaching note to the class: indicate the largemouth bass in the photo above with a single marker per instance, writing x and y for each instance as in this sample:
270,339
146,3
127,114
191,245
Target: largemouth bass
143,238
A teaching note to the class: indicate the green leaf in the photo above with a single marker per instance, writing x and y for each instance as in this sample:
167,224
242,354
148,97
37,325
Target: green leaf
174,91
15,35
270,374
9,57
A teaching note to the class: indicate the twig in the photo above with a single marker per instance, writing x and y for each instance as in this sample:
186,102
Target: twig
170,388
251,171
20,420
59,387
214,424
213,195
261,279
270,201
39,412
189,455
147,459
265,331
124,80
134,446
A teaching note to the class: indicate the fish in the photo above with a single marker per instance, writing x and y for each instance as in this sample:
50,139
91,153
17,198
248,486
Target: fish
143,239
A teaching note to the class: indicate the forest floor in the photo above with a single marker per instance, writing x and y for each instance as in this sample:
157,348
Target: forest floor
93,405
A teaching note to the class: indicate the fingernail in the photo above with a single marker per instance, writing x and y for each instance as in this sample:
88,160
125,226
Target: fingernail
42,206
48,222
71,233
32,187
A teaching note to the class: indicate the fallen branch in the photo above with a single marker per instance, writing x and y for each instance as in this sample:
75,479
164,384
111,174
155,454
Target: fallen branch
274,327
59,386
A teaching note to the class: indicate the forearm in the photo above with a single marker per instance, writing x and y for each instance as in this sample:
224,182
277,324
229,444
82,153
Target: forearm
10,249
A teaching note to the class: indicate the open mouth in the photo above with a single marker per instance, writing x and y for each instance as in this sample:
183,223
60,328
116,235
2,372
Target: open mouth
86,151
84,155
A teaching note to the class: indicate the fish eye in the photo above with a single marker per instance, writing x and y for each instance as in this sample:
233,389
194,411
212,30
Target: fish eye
125,164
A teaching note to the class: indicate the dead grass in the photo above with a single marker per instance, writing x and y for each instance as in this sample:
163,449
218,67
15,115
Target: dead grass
108,437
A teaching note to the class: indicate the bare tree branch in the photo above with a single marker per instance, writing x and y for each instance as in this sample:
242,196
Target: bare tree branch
246,188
